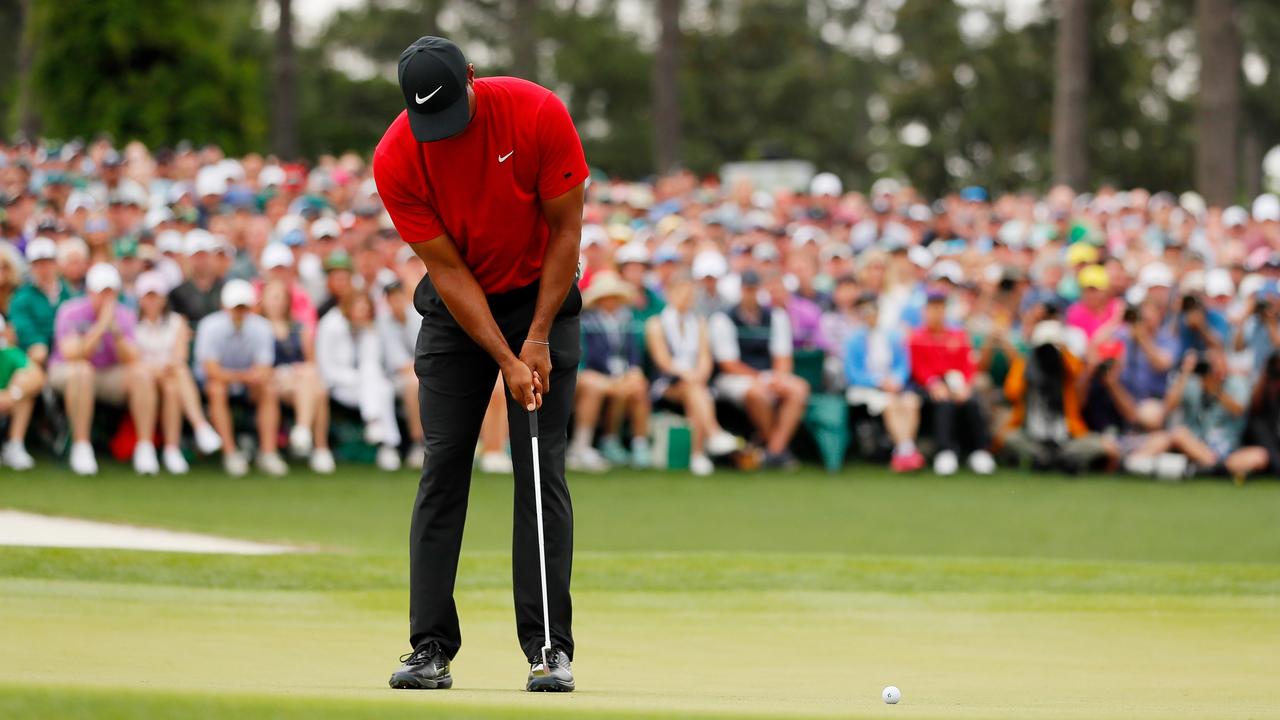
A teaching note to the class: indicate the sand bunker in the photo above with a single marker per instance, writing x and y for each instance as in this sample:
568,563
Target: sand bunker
28,529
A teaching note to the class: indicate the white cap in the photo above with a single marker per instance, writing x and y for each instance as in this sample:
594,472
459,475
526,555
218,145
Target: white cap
919,212
41,248
631,253
198,241
271,175
1155,274
827,184
1235,216
1218,283
238,293
102,276
289,223
325,227
1047,332
1266,208
156,216
709,264
211,181
765,252
920,256
151,282
276,255
948,270
806,234
594,235
80,200
1192,203
169,241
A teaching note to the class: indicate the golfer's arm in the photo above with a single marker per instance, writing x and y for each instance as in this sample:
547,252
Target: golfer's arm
463,296
560,263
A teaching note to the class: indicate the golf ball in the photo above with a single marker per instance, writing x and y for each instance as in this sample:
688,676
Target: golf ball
891,695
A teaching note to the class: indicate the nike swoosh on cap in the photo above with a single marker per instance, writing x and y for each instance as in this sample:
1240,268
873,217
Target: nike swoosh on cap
421,100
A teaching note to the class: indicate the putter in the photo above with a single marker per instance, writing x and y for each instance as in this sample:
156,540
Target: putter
542,547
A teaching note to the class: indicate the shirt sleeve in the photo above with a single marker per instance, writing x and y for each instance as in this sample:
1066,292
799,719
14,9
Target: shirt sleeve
206,343
780,334
400,186
561,162
264,351
724,338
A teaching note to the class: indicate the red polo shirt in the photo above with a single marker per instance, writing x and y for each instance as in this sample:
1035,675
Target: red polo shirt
483,186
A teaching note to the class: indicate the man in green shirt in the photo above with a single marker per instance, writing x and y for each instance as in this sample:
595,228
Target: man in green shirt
35,303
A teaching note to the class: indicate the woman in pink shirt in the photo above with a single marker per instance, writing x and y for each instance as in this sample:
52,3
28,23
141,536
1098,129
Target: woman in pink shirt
1096,307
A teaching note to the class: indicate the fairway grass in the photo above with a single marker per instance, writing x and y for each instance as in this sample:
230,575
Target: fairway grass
773,596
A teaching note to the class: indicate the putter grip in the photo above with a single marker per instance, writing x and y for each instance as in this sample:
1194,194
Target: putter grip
533,424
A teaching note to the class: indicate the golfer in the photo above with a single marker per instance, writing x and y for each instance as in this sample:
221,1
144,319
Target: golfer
484,178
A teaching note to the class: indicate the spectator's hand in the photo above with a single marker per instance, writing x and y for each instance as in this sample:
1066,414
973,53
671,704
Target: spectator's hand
538,357
38,353
938,391
107,313
257,375
891,386
1189,362
525,387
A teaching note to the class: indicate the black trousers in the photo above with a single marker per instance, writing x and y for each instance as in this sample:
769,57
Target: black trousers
455,379
958,426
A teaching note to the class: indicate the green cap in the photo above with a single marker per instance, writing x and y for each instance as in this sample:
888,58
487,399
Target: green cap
338,260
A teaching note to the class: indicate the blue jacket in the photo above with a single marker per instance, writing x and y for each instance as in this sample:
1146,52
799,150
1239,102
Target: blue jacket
855,360
598,346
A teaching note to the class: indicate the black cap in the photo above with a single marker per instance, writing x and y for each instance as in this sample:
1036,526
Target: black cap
433,78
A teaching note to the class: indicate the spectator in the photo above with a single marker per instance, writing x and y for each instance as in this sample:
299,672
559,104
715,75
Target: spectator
1096,307
838,325
1046,427
200,295
338,280
633,266
234,355
1259,334
163,338
95,358
1262,432
678,344
804,315
1149,352
752,347
877,369
20,383
297,380
73,263
36,302
352,366
612,375
398,326
1209,421
277,266
942,368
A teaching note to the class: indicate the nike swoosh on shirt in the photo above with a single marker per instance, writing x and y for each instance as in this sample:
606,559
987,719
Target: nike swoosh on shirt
503,158
421,100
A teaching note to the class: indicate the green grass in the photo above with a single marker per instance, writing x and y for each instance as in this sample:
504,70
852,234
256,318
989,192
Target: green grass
772,595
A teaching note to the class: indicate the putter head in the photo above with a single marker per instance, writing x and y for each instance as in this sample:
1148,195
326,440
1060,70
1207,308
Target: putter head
542,670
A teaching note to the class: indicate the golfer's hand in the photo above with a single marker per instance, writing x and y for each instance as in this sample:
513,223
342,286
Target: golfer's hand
525,387
538,357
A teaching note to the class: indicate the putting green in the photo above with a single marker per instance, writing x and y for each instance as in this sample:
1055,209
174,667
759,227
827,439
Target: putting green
980,598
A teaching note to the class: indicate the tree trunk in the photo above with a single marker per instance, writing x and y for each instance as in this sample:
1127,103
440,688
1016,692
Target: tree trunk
284,99
25,111
1218,112
1071,96
1251,163
524,39
666,88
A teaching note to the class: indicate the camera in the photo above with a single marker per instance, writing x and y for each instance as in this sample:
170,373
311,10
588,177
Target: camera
1201,368
1190,303
1130,315
1262,307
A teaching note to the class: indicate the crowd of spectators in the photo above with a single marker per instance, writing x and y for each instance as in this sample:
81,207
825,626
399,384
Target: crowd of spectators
243,307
